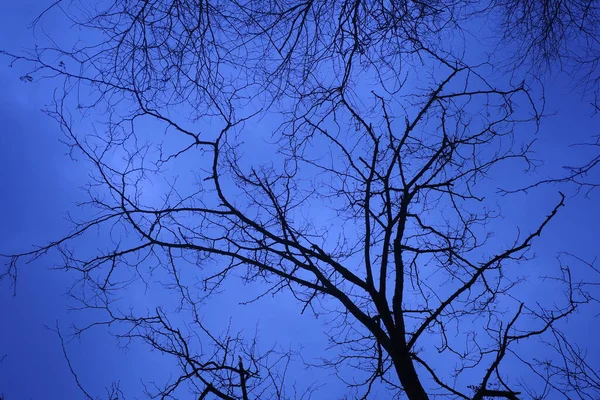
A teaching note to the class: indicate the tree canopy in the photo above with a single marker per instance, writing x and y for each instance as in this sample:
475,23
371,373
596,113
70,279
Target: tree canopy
357,156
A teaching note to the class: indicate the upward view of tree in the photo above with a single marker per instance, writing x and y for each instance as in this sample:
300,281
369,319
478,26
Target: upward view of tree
344,153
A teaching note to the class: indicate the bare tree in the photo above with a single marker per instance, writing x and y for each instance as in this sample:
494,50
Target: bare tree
368,203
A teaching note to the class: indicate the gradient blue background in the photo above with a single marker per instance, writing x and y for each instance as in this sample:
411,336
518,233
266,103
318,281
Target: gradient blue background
38,184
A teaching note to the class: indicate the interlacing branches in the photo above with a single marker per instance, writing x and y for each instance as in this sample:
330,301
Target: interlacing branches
369,206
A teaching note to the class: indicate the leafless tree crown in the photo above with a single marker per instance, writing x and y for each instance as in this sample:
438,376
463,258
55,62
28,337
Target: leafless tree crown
342,152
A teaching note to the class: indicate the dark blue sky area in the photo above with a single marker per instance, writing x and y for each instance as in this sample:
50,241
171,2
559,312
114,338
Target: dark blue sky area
39,184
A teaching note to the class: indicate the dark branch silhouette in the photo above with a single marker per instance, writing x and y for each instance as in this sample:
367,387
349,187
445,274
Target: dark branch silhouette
368,202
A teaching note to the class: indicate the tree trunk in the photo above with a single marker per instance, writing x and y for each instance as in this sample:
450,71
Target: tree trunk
408,376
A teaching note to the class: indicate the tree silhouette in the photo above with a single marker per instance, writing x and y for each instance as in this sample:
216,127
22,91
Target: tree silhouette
370,202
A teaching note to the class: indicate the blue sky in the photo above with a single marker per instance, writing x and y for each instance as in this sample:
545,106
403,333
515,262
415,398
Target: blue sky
40,184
